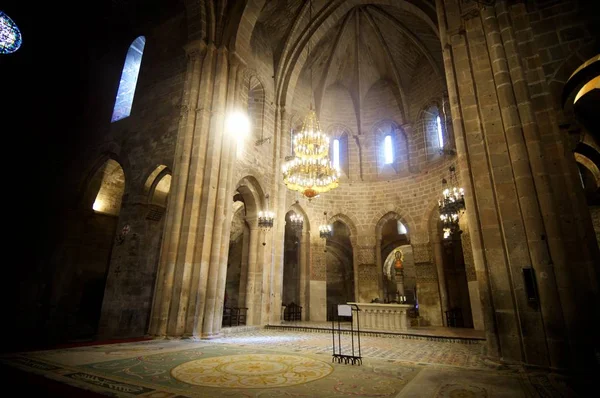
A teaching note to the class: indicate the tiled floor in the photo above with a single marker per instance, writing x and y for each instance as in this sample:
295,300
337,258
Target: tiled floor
392,366
433,331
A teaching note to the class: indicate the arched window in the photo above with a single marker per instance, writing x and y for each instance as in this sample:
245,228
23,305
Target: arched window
439,131
433,131
129,77
388,150
338,148
256,107
401,228
336,154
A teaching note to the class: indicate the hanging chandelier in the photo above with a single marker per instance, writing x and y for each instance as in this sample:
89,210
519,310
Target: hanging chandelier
265,218
297,222
325,230
451,205
310,171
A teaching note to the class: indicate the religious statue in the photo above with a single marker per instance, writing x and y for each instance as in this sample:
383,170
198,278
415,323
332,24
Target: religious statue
399,257
397,264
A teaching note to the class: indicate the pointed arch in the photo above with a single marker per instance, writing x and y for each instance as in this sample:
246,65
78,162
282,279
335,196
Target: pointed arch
253,196
391,215
349,223
298,209
129,78
105,188
431,123
158,186
338,134
256,106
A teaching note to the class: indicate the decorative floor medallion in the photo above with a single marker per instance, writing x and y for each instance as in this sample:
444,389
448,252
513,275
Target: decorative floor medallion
251,371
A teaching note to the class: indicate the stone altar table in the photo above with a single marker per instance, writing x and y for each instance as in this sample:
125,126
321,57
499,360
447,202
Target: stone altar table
380,316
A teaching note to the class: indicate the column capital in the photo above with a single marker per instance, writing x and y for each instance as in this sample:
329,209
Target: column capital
236,60
195,48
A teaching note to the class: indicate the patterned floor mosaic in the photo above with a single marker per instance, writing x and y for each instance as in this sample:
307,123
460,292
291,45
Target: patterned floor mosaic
267,363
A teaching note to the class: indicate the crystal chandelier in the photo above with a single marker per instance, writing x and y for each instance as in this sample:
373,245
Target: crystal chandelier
325,230
451,205
297,222
265,218
310,171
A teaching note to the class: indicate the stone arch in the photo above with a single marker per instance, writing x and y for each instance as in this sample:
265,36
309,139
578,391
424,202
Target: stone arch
350,223
298,209
342,133
427,126
590,165
392,215
152,180
253,195
565,70
91,185
399,144
256,105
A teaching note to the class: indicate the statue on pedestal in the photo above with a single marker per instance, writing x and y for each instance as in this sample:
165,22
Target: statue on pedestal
394,270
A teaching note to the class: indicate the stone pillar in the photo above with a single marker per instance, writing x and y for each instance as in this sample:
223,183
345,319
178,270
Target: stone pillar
367,280
379,265
304,274
509,197
280,146
575,259
191,277
251,287
196,82
438,259
476,309
318,280
427,284
453,47
244,268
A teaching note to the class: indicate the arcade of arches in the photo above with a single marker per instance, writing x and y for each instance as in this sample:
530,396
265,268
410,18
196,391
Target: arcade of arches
164,232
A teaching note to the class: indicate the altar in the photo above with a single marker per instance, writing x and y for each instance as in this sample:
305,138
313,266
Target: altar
381,316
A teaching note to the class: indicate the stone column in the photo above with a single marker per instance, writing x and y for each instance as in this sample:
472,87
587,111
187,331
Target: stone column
509,197
251,288
304,274
454,51
244,268
563,207
379,265
190,283
438,259
196,83
280,150
223,212
427,283
318,280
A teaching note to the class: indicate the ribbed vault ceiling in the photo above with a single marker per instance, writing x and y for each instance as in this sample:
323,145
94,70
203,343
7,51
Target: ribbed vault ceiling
370,42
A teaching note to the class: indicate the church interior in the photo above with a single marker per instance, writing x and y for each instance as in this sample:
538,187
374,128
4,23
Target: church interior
214,196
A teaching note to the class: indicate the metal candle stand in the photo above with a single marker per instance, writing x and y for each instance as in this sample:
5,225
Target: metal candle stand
338,356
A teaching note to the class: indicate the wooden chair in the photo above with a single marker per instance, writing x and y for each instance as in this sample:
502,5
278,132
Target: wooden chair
227,316
293,312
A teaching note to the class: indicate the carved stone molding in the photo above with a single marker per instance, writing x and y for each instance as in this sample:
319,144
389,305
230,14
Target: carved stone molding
425,272
195,49
366,256
421,253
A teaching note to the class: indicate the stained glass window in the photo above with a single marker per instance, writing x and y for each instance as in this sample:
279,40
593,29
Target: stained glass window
129,78
388,150
10,35
439,131
336,154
